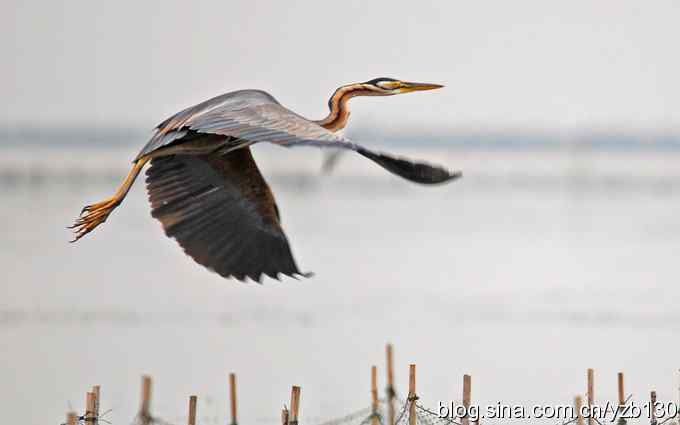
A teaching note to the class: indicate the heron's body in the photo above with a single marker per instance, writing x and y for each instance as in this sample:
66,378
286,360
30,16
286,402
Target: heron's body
207,191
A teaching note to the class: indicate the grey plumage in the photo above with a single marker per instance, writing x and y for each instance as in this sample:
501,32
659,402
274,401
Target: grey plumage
206,190
246,117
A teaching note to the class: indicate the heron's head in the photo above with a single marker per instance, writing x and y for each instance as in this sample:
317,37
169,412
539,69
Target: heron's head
389,86
339,113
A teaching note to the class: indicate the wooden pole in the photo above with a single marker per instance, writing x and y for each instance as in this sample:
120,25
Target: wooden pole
391,413
467,389
284,416
96,390
232,398
374,395
192,410
652,409
89,407
145,404
578,402
71,418
294,405
622,394
412,394
591,395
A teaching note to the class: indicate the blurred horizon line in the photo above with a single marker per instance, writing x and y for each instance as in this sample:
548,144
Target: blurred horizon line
496,138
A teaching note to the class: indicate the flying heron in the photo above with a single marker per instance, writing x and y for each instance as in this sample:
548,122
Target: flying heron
208,193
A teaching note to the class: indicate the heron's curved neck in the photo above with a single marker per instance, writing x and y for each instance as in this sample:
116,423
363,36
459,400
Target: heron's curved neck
339,112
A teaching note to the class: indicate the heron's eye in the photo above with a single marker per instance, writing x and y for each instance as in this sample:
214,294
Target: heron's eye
388,85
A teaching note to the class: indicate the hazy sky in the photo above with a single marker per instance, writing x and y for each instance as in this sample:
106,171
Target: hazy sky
506,64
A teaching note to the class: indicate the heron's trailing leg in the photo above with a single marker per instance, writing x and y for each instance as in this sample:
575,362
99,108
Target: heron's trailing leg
93,215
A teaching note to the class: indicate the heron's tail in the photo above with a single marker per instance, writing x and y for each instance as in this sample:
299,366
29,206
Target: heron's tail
93,215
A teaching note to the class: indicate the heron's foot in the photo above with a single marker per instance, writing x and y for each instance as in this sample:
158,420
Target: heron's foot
92,216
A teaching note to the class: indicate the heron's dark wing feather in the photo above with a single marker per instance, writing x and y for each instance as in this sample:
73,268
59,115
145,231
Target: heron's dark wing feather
222,212
253,116
418,172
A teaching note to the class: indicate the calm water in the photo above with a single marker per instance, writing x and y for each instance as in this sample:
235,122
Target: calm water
535,266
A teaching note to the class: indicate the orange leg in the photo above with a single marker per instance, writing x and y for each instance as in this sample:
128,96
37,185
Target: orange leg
93,215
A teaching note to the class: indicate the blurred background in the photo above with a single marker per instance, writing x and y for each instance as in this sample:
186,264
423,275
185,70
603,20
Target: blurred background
556,252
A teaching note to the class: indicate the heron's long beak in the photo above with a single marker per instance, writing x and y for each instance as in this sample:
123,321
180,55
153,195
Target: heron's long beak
408,87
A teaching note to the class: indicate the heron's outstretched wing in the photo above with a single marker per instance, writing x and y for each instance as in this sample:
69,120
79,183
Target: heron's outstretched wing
253,116
221,211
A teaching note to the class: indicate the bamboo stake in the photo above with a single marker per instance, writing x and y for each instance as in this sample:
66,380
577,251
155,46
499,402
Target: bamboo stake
578,403
591,395
96,390
622,394
192,410
71,418
232,398
622,399
391,413
294,405
89,407
145,405
412,394
284,416
374,395
652,409
467,389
